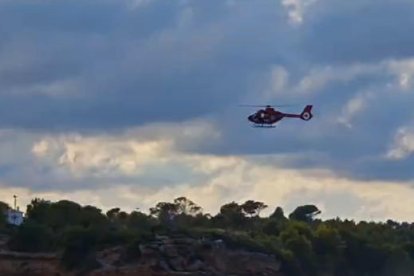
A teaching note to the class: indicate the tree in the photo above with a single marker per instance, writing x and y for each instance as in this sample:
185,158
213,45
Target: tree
79,247
91,216
232,214
297,239
230,208
140,221
272,227
123,216
164,212
4,206
55,215
327,241
63,213
182,209
163,208
186,206
113,213
38,210
32,237
305,213
278,214
3,209
302,248
253,208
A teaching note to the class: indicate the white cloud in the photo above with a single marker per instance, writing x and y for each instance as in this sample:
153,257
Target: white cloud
66,88
41,148
279,81
355,106
245,180
403,145
403,70
128,61
134,4
297,9
127,157
318,78
227,178
125,154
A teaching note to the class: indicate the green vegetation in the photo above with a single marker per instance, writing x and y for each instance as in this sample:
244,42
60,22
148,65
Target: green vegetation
305,244
3,209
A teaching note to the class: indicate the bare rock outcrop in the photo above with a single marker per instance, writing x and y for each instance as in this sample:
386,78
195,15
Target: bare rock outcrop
186,256
164,256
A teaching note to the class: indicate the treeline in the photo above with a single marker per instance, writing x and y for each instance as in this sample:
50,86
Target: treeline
305,244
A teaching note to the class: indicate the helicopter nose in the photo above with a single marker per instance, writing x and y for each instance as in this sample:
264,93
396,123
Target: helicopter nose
250,118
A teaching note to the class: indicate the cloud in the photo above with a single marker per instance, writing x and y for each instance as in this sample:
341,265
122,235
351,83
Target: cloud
143,94
397,73
320,78
403,145
245,180
166,61
134,4
136,155
110,73
296,9
140,167
357,108
354,106
404,70
344,32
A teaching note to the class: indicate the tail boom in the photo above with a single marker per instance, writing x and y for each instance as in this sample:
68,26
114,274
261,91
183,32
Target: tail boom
306,114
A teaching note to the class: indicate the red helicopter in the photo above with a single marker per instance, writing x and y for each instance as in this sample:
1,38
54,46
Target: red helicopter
268,116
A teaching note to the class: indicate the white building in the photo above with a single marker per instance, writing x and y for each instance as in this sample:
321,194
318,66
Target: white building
14,216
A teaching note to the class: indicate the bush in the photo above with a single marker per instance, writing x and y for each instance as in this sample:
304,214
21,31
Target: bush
32,237
79,248
132,250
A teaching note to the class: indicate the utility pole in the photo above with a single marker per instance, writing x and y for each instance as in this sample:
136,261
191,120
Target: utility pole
14,216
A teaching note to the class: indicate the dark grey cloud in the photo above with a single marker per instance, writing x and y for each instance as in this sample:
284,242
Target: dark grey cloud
363,31
158,62
355,152
104,66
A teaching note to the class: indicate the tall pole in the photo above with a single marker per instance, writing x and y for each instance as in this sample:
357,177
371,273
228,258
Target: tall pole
15,202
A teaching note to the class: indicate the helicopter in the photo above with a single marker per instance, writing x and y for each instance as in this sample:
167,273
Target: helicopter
269,116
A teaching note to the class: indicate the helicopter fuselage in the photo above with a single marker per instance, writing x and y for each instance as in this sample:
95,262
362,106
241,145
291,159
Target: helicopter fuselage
266,116
270,116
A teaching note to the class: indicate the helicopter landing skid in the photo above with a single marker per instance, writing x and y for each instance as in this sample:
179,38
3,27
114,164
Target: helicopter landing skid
263,126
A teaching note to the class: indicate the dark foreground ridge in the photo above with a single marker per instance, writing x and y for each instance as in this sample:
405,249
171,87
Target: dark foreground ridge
177,238
164,255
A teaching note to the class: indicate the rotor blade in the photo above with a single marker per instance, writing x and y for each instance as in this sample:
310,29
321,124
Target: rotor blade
265,105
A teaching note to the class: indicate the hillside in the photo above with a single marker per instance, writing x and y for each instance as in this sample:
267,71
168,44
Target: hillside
177,238
165,255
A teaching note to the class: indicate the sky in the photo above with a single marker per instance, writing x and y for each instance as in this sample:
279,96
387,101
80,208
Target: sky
126,103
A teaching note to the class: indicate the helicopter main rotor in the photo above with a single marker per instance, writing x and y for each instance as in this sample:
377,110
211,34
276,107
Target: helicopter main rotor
267,105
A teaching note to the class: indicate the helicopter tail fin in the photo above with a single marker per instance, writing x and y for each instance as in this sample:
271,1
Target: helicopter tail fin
307,113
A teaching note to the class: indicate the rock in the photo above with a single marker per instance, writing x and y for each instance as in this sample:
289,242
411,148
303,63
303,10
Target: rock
164,266
147,251
169,251
165,256
178,263
110,256
195,266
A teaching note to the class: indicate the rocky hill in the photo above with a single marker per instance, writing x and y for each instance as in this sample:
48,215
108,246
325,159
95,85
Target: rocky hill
164,255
